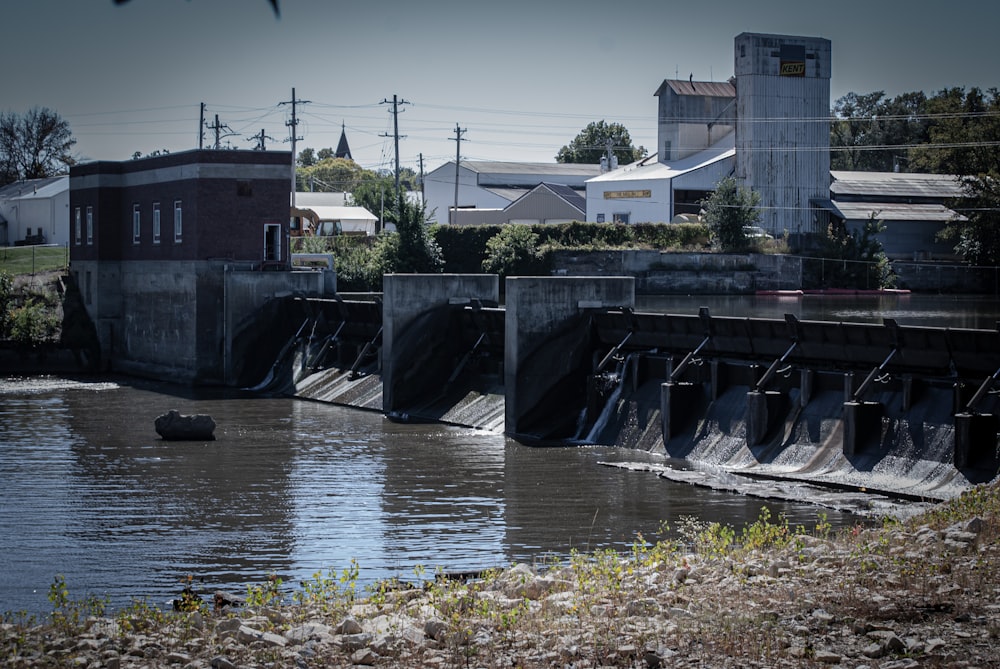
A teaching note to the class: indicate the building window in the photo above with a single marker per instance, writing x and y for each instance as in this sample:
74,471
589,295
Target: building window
620,218
77,227
136,224
178,221
90,225
272,242
156,222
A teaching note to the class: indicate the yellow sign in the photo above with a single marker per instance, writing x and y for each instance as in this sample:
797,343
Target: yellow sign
793,68
626,194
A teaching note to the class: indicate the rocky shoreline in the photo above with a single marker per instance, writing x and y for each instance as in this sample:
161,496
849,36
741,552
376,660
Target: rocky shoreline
905,595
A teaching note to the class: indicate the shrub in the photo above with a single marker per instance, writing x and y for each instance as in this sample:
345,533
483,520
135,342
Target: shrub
514,251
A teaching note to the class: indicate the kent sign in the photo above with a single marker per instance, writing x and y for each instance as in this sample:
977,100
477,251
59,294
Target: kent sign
793,68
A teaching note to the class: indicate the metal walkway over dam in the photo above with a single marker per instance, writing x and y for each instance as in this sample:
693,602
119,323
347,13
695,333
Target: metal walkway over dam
568,360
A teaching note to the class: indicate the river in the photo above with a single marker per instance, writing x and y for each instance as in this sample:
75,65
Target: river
293,487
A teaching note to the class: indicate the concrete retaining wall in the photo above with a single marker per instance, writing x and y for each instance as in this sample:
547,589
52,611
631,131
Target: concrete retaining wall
660,273
176,320
408,296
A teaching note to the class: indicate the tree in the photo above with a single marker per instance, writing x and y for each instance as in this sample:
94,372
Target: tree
592,143
977,238
871,133
728,210
963,130
307,158
331,175
866,266
34,146
377,194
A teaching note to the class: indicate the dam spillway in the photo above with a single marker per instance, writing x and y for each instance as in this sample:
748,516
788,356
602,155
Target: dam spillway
906,409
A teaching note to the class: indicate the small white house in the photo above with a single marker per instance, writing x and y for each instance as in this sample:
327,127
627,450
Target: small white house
35,212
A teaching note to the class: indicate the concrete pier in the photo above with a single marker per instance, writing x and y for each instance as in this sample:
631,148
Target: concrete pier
406,298
544,349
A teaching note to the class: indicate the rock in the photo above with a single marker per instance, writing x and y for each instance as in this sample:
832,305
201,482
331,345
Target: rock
435,629
354,642
175,426
222,662
348,626
828,657
247,635
365,657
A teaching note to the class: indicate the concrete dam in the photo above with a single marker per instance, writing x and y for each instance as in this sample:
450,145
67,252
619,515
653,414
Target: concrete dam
905,410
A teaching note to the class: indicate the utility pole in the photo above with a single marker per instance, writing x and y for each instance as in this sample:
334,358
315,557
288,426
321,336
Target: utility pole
218,128
421,178
201,127
294,135
458,159
395,133
259,138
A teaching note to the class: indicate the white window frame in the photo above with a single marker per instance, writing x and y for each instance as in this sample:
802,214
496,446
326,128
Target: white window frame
77,226
178,221
90,226
156,222
136,223
269,227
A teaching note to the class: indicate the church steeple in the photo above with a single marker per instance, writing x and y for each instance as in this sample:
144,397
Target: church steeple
343,150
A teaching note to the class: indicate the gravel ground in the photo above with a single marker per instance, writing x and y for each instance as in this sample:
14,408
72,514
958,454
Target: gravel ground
923,593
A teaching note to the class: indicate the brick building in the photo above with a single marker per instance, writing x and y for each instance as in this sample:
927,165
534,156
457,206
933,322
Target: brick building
169,253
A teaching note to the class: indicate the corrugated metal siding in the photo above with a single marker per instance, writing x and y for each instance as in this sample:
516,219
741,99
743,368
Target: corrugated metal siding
782,136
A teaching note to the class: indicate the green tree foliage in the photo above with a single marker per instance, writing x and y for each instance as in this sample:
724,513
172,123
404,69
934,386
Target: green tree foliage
592,143
377,194
870,132
862,262
331,175
34,145
962,135
514,251
954,131
307,158
728,210
412,247
977,238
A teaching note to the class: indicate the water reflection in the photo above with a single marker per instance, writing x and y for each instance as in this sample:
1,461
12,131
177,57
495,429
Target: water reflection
291,488
956,311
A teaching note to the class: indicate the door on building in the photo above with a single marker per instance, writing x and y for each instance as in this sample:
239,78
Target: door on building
272,243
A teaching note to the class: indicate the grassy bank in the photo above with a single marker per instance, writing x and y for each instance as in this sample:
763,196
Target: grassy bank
28,260
922,593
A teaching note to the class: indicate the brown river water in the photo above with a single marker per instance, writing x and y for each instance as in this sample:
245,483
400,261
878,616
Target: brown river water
291,487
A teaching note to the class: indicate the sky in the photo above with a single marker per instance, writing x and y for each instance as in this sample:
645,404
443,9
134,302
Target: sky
520,78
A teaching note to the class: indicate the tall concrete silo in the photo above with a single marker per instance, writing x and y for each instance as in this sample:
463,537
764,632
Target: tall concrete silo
783,127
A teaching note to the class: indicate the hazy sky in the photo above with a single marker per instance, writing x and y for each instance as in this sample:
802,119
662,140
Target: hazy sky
522,78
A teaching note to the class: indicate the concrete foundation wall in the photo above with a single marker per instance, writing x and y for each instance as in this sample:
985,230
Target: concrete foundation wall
408,296
538,308
176,320
659,273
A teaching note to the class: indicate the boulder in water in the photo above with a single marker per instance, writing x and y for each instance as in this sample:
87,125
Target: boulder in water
175,426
